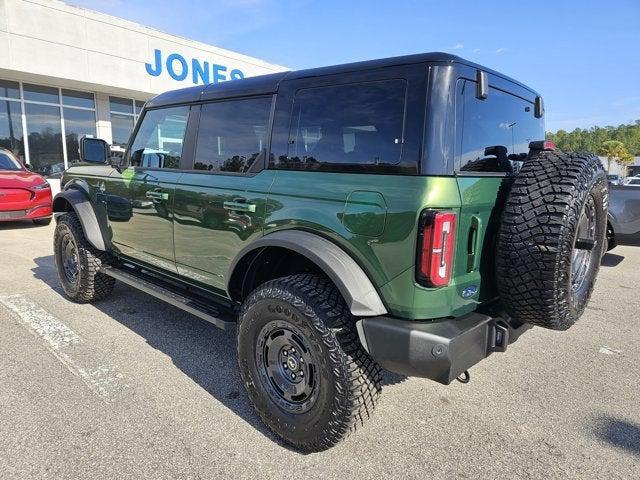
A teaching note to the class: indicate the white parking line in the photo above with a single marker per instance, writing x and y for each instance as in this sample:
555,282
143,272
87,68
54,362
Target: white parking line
56,333
67,346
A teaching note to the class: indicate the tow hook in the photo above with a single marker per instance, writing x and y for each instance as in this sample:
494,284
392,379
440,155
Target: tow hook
464,377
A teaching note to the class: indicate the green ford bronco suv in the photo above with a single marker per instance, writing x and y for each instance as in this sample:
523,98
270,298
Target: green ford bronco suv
402,214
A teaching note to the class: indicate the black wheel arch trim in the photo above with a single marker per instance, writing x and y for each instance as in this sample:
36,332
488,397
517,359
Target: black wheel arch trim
81,205
353,283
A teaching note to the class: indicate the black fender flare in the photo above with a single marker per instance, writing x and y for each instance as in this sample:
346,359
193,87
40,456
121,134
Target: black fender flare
81,205
353,283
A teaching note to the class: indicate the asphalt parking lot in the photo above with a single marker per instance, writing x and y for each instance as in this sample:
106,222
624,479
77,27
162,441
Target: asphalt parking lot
133,388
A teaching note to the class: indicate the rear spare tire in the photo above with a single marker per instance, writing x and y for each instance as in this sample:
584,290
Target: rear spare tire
551,238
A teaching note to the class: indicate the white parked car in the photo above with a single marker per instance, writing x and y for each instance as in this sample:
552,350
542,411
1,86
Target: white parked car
633,181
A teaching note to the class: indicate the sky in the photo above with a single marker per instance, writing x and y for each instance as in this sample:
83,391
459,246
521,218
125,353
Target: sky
583,56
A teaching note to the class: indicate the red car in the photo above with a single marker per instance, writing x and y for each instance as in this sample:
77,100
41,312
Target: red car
24,195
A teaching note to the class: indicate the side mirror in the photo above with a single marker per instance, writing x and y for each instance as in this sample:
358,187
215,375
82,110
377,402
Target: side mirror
93,150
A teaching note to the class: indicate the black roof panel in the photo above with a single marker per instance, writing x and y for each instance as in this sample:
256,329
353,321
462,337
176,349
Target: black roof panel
266,84
247,86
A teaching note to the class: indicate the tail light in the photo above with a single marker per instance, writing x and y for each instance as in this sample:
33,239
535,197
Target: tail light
436,243
542,145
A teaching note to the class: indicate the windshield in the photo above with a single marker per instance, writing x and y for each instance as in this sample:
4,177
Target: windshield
7,162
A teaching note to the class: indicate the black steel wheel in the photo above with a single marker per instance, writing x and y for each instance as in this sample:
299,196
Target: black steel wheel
302,364
288,369
69,258
78,263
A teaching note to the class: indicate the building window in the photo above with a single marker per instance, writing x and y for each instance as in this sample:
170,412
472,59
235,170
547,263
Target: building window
39,93
124,114
51,119
11,137
71,98
9,89
121,128
77,123
44,129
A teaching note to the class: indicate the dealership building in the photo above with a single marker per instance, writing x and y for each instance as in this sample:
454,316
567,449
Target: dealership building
67,71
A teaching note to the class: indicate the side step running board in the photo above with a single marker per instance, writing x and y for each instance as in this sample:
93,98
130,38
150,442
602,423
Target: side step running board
144,283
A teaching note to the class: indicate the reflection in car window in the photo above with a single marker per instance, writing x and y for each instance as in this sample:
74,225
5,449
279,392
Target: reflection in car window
346,127
8,163
158,142
496,131
232,134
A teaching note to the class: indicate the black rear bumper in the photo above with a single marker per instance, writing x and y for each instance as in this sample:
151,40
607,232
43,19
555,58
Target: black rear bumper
440,349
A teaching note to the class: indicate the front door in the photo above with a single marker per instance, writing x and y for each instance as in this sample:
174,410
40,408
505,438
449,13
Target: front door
140,197
219,205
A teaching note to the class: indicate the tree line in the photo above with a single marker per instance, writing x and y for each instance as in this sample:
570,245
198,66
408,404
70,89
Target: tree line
619,144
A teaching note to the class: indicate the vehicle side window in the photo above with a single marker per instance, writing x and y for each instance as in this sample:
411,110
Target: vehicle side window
232,134
159,139
8,163
496,131
346,127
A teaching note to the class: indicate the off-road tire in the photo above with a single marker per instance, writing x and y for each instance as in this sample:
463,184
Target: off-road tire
91,285
348,378
537,235
42,221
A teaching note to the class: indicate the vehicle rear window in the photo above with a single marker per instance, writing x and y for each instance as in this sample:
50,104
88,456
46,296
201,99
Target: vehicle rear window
232,134
354,127
495,131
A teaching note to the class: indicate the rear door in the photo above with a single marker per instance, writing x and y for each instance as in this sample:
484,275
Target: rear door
140,198
219,203
492,140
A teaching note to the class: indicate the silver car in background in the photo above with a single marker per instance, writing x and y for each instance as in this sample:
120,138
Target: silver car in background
623,227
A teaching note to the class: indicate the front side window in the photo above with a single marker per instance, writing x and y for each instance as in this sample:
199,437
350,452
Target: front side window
232,134
346,127
159,139
496,131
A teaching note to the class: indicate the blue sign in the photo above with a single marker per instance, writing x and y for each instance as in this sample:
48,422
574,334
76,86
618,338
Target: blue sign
199,71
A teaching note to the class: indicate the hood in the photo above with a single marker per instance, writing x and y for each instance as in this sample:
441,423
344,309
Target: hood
20,179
